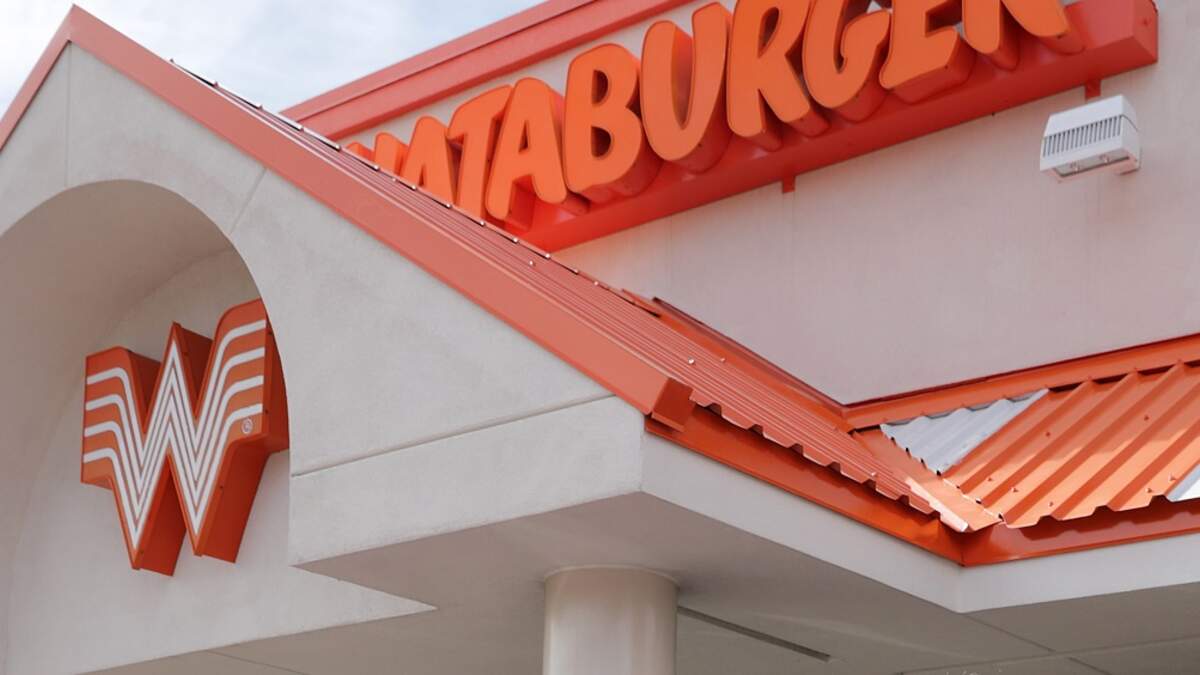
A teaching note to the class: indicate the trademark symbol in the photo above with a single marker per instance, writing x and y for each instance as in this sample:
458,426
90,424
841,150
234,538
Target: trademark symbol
247,425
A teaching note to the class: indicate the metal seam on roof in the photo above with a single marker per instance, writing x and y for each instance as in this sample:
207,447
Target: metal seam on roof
957,510
941,441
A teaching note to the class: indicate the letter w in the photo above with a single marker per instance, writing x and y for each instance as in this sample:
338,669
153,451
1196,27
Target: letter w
189,457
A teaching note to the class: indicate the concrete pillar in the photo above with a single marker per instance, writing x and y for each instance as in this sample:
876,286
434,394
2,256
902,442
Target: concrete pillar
609,621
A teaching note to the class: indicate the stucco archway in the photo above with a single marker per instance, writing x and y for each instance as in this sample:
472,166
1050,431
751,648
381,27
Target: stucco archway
94,264
103,264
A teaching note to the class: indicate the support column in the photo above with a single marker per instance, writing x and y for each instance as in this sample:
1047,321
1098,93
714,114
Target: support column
609,621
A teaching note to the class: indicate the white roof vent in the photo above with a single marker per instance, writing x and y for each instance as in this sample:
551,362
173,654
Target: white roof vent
1099,136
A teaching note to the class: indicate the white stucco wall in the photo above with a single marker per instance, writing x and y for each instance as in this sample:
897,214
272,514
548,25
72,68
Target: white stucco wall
942,259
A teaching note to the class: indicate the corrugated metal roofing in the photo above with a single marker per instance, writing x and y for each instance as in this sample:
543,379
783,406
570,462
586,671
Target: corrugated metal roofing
940,441
957,510
1116,444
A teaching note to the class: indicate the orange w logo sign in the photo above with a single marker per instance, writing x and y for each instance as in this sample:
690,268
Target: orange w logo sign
188,457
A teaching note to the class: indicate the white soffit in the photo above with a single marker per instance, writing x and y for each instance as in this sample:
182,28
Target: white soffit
941,441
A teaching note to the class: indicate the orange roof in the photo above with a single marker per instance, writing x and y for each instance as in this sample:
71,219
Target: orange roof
695,386
1114,442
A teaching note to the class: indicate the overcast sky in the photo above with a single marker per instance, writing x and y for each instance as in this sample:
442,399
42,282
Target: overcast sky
274,51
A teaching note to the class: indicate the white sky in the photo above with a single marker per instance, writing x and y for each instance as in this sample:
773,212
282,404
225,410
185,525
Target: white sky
273,51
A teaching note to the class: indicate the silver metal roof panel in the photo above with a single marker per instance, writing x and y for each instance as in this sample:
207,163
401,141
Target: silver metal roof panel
941,441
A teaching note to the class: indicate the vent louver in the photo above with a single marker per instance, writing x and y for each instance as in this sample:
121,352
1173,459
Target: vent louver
1102,135
1074,139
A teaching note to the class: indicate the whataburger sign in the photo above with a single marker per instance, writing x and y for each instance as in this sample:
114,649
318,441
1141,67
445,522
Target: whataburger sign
751,96
182,443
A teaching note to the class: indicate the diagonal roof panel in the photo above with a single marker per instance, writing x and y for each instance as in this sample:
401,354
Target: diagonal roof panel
1113,432
1115,444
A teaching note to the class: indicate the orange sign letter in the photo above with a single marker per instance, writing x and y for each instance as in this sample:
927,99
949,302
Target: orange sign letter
923,62
360,150
605,153
527,153
683,89
431,162
474,127
988,26
182,445
846,77
766,33
389,152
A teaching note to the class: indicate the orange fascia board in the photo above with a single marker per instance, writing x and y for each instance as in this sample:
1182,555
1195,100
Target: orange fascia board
987,539
504,47
746,359
707,434
1162,518
745,451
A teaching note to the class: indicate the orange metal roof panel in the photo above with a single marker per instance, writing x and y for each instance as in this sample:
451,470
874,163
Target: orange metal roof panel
957,510
1114,444
1113,432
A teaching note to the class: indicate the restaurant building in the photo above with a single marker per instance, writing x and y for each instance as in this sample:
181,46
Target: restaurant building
619,337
